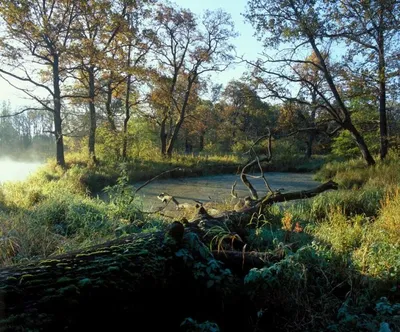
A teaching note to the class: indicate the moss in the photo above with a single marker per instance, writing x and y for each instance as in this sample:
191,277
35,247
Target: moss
89,254
113,269
49,262
85,282
67,290
50,290
25,278
64,280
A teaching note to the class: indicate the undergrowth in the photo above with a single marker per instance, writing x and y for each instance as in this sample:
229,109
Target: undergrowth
338,266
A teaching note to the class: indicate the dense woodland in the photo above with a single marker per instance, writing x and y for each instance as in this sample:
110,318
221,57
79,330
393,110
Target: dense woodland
121,91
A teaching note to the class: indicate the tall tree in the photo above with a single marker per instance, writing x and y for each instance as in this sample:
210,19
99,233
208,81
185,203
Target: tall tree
371,30
186,49
35,37
301,26
96,26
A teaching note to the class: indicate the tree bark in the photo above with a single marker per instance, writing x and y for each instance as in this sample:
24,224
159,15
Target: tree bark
178,124
360,142
110,115
201,141
344,119
163,137
127,101
57,113
383,127
92,115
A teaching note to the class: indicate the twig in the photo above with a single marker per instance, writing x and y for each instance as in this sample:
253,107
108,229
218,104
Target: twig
233,193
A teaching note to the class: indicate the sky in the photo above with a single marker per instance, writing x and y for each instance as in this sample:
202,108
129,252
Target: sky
246,44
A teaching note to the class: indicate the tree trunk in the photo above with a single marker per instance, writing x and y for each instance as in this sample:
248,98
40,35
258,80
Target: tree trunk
57,113
163,137
174,137
127,103
310,142
91,287
92,113
201,142
344,119
110,115
383,127
360,143
178,124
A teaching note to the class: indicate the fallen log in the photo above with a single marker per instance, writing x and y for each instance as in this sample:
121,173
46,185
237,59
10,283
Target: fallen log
96,288
278,197
165,275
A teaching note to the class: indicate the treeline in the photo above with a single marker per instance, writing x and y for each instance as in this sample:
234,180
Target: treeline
26,136
122,78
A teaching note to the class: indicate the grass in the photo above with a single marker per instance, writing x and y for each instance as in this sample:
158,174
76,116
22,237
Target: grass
340,269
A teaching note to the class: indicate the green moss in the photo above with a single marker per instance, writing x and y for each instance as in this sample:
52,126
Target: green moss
63,280
25,278
12,279
70,289
100,252
113,269
84,282
49,261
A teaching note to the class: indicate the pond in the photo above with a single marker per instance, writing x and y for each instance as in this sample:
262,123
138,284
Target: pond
11,170
218,188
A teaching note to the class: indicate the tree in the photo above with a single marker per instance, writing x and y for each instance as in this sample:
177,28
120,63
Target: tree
371,30
35,37
301,26
91,52
247,113
185,50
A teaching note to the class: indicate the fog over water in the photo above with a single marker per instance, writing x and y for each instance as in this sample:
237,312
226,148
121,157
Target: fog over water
11,170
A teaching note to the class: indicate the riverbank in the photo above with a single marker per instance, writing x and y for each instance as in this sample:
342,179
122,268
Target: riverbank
338,260
106,172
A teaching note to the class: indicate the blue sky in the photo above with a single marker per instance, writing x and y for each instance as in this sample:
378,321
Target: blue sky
246,44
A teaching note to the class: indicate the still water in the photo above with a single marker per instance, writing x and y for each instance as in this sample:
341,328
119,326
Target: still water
16,171
218,188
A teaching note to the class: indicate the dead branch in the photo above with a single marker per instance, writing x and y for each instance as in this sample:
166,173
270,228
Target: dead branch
257,160
233,193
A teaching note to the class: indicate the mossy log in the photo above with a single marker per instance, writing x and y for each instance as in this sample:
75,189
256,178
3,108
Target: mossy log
145,282
93,288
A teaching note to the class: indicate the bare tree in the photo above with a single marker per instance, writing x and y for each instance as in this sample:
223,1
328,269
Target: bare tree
186,49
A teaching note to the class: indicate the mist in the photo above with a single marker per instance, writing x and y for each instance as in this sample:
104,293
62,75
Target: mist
12,170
